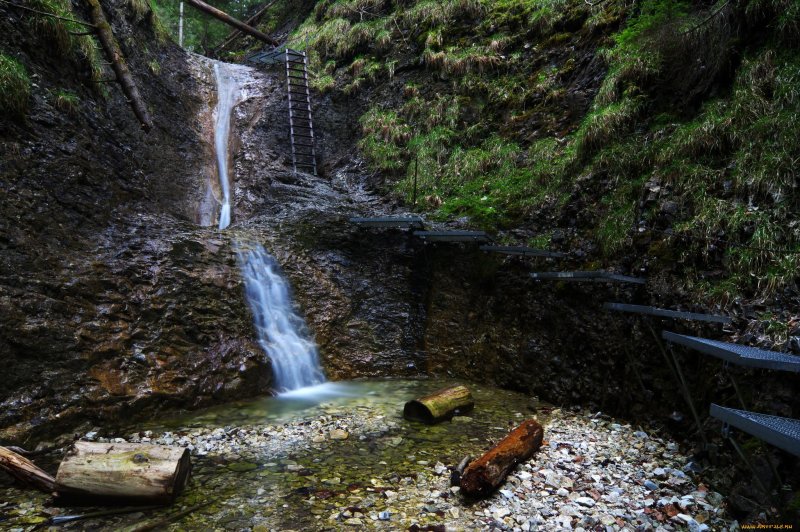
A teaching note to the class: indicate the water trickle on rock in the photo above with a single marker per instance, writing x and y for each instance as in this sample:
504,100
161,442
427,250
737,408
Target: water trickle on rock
230,83
282,333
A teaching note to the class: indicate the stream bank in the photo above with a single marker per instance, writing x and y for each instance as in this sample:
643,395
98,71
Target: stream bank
351,462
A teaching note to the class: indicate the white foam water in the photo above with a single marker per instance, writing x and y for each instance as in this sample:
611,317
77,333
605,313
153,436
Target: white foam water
282,333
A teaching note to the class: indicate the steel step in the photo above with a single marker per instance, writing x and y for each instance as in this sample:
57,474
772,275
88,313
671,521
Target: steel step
590,276
741,355
666,313
781,432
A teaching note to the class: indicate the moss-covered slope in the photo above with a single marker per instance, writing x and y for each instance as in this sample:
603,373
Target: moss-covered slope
661,130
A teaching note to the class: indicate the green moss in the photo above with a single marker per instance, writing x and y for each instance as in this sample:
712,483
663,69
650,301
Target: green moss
15,86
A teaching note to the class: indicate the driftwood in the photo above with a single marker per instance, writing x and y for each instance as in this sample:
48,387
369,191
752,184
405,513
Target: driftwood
25,471
439,406
227,19
135,473
235,34
483,475
114,54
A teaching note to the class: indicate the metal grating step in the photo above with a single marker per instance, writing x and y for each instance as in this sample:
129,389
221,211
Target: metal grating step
389,221
781,432
453,236
741,355
599,277
524,251
666,313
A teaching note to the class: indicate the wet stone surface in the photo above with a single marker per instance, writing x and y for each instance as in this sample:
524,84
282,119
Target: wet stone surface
352,462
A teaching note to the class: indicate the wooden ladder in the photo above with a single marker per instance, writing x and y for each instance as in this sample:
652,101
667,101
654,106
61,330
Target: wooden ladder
301,129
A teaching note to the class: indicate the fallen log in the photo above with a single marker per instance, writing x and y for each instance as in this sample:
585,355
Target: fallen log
227,19
235,34
441,405
25,471
114,54
135,473
486,473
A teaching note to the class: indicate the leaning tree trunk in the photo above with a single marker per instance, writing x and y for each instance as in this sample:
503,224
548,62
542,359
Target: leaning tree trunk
25,471
227,19
114,54
483,475
439,406
137,473
236,33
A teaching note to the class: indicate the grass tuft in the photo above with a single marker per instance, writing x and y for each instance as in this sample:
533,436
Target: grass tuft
15,87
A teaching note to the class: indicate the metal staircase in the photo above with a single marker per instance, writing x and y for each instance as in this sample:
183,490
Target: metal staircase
301,128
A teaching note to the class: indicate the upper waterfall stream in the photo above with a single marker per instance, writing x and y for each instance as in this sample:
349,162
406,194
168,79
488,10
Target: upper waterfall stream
231,81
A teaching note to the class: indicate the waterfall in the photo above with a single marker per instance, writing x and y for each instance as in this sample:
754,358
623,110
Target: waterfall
282,334
229,93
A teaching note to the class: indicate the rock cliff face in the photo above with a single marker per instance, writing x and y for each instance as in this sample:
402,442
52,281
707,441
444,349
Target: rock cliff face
112,297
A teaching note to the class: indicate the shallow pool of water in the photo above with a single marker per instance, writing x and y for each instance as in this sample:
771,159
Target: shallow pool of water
278,462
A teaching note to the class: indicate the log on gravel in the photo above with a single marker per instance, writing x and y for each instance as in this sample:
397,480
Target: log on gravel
485,474
25,471
129,472
439,406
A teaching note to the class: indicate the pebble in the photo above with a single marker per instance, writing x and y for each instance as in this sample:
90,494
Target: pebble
649,484
339,434
585,501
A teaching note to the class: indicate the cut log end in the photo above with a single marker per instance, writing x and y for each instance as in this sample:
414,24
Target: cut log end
441,405
485,474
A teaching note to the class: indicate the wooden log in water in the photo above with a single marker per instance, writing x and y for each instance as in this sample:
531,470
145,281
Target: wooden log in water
135,473
485,474
227,19
114,54
25,471
439,406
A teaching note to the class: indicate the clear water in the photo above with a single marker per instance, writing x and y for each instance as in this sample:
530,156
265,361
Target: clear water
282,333
230,83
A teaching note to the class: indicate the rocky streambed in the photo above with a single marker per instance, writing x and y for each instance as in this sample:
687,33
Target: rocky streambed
343,458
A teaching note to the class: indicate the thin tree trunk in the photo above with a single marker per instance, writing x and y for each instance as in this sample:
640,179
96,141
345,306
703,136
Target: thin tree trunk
226,18
235,34
114,54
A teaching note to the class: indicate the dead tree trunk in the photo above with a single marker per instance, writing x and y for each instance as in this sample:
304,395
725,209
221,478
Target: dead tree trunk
25,471
487,472
226,18
137,473
235,34
439,406
114,54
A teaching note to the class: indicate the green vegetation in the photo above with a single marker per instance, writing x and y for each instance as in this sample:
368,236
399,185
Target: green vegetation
201,32
67,101
15,87
65,39
498,147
